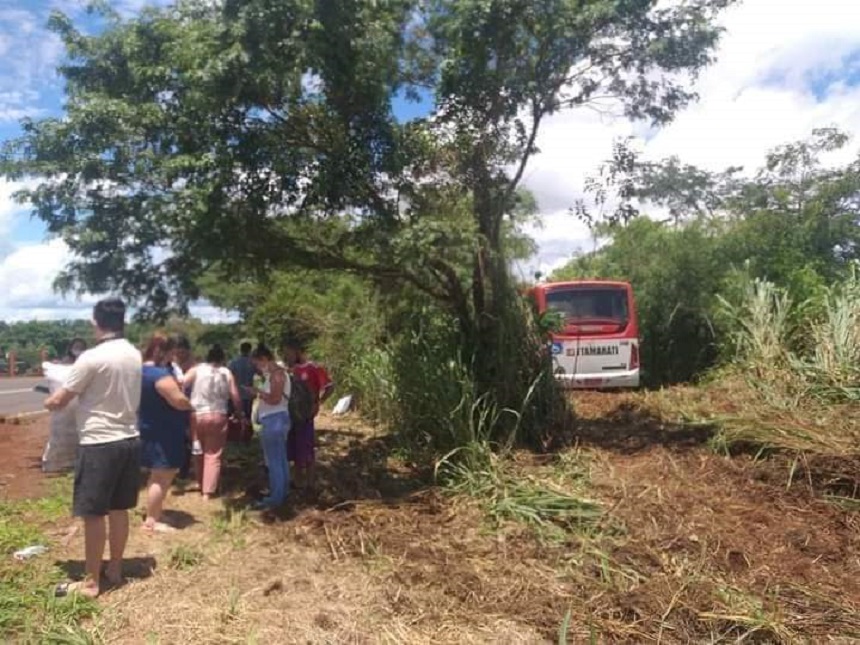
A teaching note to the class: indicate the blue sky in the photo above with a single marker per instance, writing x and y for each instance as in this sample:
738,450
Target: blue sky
783,68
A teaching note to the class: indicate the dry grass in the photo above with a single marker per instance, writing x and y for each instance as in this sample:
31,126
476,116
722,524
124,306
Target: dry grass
690,546
746,415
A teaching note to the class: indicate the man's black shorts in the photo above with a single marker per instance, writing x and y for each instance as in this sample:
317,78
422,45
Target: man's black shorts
107,477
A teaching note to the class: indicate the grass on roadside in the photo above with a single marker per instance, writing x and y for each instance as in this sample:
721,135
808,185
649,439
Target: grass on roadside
29,612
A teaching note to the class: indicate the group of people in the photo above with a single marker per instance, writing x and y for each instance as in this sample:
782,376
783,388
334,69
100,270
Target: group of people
159,410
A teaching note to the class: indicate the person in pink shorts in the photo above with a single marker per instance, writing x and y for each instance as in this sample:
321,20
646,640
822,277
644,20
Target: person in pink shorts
301,441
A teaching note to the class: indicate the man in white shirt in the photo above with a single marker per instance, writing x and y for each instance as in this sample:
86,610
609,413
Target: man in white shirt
107,381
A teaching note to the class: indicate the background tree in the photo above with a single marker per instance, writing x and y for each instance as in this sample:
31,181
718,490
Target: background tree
28,339
794,223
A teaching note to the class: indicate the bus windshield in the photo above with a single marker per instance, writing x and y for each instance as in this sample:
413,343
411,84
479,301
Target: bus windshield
580,305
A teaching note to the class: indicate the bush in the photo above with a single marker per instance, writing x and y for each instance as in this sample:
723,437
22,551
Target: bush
419,380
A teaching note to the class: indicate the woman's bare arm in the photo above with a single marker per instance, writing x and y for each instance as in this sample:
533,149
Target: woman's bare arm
276,388
170,391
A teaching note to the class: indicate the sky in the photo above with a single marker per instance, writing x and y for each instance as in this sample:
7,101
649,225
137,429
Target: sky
783,68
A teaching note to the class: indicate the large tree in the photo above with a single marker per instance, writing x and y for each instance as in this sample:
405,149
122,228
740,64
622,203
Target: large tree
242,136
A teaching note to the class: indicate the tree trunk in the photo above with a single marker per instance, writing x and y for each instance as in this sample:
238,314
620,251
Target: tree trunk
508,362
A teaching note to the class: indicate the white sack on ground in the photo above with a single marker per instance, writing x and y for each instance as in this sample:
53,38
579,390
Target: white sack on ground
62,447
343,405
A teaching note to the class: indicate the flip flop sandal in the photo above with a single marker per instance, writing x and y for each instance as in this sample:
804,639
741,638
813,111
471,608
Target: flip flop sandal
63,589
66,589
158,527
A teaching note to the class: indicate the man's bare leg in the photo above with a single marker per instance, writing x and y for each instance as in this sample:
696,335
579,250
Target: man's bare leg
118,539
94,549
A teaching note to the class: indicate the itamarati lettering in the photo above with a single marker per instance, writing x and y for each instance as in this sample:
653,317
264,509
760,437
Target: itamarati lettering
593,350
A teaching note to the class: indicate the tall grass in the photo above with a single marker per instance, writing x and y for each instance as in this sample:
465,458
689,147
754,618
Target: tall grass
481,469
464,406
801,365
833,365
426,382
759,324
818,355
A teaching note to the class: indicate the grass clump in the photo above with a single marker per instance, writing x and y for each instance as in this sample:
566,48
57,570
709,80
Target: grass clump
231,523
484,471
793,351
183,557
29,612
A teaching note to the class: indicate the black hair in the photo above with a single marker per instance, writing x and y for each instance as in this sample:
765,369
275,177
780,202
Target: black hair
181,341
109,315
245,348
263,352
295,343
216,354
72,343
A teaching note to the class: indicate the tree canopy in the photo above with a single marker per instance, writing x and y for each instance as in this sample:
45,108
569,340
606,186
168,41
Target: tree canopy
240,136
229,140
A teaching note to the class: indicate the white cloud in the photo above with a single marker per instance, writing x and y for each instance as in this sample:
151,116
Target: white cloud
29,55
777,77
26,278
27,275
9,210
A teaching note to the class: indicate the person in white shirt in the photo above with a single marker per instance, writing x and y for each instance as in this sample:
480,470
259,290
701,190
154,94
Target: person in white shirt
107,381
212,388
274,416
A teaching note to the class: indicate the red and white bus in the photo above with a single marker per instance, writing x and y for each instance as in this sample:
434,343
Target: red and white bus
597,345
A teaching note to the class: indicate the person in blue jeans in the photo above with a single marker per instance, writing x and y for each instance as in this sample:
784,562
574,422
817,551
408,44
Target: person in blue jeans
274,417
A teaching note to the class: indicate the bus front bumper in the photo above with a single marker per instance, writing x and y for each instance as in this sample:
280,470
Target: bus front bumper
600,381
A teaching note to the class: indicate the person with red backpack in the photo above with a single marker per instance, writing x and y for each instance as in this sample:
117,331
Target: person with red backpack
312,386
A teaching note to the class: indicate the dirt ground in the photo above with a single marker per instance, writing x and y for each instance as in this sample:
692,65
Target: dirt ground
693,547
21,446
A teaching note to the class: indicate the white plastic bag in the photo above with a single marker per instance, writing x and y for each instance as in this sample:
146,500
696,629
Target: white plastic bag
343,405
62,447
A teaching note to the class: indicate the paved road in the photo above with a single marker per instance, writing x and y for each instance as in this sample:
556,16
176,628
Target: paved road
17,395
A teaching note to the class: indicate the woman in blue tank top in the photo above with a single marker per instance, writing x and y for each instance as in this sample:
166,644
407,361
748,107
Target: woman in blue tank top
163,420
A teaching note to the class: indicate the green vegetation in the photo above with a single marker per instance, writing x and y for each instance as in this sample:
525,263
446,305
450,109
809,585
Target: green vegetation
29,612
749,288
238,140
793,224
28,339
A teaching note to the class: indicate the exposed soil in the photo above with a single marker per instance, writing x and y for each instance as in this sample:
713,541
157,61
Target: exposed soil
694,547
21,447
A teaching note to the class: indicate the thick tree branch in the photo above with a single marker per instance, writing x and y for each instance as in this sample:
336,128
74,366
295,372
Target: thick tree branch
537,113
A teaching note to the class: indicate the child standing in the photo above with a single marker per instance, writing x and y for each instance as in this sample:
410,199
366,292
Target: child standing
301,441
